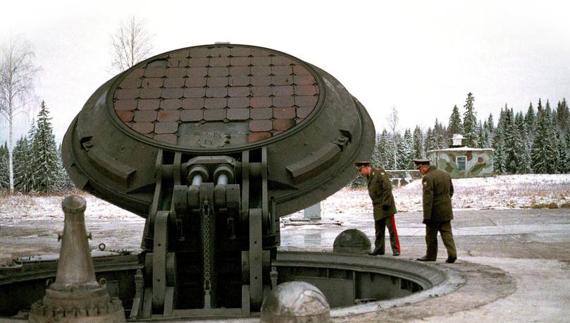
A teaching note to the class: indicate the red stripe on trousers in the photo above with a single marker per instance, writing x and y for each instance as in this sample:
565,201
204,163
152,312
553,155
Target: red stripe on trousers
395,232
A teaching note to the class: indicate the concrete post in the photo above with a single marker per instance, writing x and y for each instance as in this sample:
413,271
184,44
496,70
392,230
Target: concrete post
76,296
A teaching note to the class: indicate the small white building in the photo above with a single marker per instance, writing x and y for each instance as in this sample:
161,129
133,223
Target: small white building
462,161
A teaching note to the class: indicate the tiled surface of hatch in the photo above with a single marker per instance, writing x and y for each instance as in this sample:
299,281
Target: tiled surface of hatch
214,96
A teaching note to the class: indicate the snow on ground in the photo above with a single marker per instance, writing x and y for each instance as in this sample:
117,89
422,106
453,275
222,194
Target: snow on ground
20,207
29,223
499,192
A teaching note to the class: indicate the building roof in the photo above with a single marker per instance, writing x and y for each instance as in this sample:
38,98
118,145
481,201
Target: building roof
461,149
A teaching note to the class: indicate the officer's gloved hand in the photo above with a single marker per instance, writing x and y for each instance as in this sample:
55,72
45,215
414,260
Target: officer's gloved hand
385,207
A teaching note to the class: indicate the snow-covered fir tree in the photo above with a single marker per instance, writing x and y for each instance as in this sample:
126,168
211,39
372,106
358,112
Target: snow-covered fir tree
395,151
514,144
481,136
455,125
548,109
562,117
64,181
499,160
23,165
563,166
566,162
385,149
544,148
376,152
525,145
489,130
430,142
470,122
418,143
440,134
491,123
530,120
485,135
4,171
45,161
509,138
406,151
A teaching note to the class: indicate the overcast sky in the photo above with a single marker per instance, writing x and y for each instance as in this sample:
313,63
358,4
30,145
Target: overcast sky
421,57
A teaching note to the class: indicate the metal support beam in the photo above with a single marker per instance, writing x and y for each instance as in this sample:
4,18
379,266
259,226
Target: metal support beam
255,258
160,249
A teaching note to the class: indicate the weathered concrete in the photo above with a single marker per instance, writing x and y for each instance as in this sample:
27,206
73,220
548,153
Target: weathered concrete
516,261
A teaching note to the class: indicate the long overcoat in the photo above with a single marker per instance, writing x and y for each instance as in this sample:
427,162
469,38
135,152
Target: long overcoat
380,191
437,192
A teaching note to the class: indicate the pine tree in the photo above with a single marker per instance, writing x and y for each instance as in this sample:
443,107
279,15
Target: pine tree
455,125
499,156
490,131
485,135
440,134
4,172
544,148
523,144
481,137
23,168
562,117
530,120
385,150
45,153
64,181
397,139
563,166
376,152
418,143
406,151
510,138
431,141
566,162
470,122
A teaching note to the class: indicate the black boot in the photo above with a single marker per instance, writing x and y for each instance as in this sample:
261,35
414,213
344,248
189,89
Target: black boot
376,252
425,258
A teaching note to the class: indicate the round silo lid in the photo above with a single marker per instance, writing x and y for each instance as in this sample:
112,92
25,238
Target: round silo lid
216,96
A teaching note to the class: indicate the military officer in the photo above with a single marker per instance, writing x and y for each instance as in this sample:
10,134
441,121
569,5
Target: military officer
437,192
380,191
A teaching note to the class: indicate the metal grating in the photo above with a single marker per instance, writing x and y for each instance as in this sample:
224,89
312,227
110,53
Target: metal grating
251,93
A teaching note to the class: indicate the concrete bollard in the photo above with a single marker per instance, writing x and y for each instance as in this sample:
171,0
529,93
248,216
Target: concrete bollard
351,241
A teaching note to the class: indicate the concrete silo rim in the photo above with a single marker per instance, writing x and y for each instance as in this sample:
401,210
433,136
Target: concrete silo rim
435,280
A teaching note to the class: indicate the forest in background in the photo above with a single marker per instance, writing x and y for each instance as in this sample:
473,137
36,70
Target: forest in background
533,142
